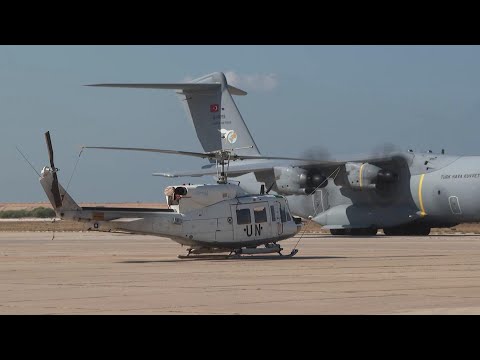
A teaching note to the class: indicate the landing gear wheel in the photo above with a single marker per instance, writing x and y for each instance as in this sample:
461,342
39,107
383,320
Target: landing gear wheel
371,231
424,231
407,231
364,232
338,231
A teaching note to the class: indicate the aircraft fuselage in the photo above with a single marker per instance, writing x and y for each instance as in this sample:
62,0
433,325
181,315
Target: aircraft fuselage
434,189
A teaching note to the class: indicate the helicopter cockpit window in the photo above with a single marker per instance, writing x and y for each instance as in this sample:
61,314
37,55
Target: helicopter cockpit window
272,210
287,212
243,217
260,214
283,216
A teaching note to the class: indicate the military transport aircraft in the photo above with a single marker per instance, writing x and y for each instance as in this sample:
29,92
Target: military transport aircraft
403,193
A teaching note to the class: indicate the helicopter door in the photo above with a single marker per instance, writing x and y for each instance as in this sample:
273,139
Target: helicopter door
242,222
277,226
251,222
262,227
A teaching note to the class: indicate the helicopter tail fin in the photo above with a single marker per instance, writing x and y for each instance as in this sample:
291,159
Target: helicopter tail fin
60,200
48,183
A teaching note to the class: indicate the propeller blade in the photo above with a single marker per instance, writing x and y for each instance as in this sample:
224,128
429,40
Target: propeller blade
55,189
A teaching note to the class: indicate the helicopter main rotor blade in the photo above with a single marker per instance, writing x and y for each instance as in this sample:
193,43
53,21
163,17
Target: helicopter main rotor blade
55,189
220,154
162,151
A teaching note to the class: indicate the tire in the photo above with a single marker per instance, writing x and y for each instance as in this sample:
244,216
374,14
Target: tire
338,231
371,231
364,232
391,231
407,231
424,231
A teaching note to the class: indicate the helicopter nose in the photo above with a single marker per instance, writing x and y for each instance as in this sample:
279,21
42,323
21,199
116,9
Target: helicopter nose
298,222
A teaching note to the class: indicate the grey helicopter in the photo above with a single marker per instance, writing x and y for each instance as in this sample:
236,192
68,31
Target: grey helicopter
208,218
403,193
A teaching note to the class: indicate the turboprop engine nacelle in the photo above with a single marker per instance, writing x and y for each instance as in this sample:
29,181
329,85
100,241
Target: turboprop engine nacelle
297,181
367,176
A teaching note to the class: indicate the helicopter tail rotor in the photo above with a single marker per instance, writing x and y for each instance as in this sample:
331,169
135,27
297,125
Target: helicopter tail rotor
55,189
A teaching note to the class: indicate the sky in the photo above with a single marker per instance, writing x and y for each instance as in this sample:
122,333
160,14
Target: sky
343,99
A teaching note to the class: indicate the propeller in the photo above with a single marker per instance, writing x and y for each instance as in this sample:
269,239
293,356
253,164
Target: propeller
55,189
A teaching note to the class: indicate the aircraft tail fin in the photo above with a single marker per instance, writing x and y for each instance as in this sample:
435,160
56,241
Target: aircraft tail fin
209,104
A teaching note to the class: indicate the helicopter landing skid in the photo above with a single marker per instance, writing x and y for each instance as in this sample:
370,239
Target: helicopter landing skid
258,253
262,256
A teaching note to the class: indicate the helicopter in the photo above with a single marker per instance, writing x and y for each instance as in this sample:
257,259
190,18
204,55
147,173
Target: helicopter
208,218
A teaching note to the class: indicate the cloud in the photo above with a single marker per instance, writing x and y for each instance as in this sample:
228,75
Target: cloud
258,82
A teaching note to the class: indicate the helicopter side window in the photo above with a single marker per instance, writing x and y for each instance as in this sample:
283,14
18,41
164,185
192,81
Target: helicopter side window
260,214
272,210
243,217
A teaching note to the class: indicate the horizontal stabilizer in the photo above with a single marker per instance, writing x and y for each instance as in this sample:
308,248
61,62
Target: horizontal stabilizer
175,86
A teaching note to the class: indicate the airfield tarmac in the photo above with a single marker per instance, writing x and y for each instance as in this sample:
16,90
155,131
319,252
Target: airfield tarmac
101,273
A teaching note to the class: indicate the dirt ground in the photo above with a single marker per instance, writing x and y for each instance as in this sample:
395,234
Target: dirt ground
105,273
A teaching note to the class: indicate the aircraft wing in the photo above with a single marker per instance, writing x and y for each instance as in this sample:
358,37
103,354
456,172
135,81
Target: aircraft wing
259,165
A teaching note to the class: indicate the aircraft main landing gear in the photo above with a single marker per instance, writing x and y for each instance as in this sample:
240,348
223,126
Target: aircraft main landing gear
355,231
409,230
